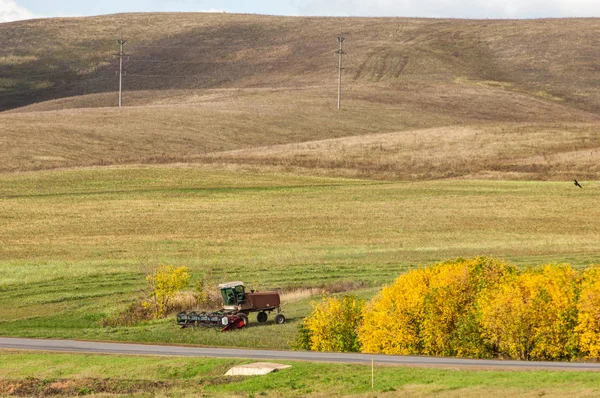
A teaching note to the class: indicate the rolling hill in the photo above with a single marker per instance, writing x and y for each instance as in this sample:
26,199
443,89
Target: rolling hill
511,99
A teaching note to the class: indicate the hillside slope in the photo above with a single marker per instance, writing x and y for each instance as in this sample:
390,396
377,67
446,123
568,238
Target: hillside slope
209,123
422,98
57,58
505,151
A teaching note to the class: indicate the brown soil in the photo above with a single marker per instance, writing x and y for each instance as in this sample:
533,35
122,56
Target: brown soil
32,387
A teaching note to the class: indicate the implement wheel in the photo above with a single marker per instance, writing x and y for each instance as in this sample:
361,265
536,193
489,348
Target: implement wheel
262,317
279,319
244,317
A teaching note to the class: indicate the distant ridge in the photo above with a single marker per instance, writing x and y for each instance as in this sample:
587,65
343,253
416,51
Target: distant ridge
422,98
48,59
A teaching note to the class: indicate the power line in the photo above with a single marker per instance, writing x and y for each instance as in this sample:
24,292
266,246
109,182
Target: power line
27,75
157,61
49,74
163,75
54,86
122,56
216,63
192,47
130,75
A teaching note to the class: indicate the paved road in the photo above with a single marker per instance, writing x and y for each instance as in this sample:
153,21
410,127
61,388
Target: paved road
273,355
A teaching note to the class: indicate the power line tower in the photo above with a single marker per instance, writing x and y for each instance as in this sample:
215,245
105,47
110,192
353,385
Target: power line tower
121,55
341,53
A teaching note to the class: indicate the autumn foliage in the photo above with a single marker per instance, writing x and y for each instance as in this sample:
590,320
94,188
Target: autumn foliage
533,315
432,311
478,308
588,317
332,326
163,284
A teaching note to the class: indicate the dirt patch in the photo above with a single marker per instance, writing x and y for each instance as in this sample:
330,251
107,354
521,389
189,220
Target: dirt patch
32,387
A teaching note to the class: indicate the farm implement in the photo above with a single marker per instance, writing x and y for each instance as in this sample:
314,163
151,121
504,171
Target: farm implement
237,304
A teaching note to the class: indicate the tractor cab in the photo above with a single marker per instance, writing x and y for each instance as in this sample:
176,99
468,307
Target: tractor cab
233,294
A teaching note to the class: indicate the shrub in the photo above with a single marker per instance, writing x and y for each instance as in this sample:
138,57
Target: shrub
332,325
588,318
477,307
132,315
432,310
533,315
208,297
182,301
302,339
163,284
392,321
201,291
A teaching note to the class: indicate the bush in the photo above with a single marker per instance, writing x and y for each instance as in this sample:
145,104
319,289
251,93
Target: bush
164,282
392,321
332,325
302,340
208,297
588,318
432,310
533,315
477,307
132,315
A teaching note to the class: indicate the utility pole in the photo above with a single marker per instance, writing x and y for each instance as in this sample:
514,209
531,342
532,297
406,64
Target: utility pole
121,55
341,53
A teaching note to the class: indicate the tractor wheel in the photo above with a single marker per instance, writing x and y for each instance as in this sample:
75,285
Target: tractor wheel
244,317
279,319
262,317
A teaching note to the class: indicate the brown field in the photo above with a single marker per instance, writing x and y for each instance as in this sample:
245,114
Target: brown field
550,59
380,133
506,151
422,98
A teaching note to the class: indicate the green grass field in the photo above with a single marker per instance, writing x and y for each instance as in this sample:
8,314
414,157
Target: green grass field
74,374
77,243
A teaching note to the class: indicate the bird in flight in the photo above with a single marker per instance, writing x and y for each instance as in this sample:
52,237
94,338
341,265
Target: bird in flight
577,184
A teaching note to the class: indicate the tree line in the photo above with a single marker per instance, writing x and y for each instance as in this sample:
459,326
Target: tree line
476,308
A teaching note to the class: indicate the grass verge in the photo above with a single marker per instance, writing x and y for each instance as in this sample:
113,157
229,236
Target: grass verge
52,373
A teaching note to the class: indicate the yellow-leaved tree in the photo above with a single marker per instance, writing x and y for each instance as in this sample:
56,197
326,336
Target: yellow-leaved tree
477,307
432,310
588,327
332,325
450,326
393,319
163,283
533,315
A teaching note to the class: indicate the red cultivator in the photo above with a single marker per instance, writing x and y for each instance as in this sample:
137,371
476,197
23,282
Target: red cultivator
237,304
